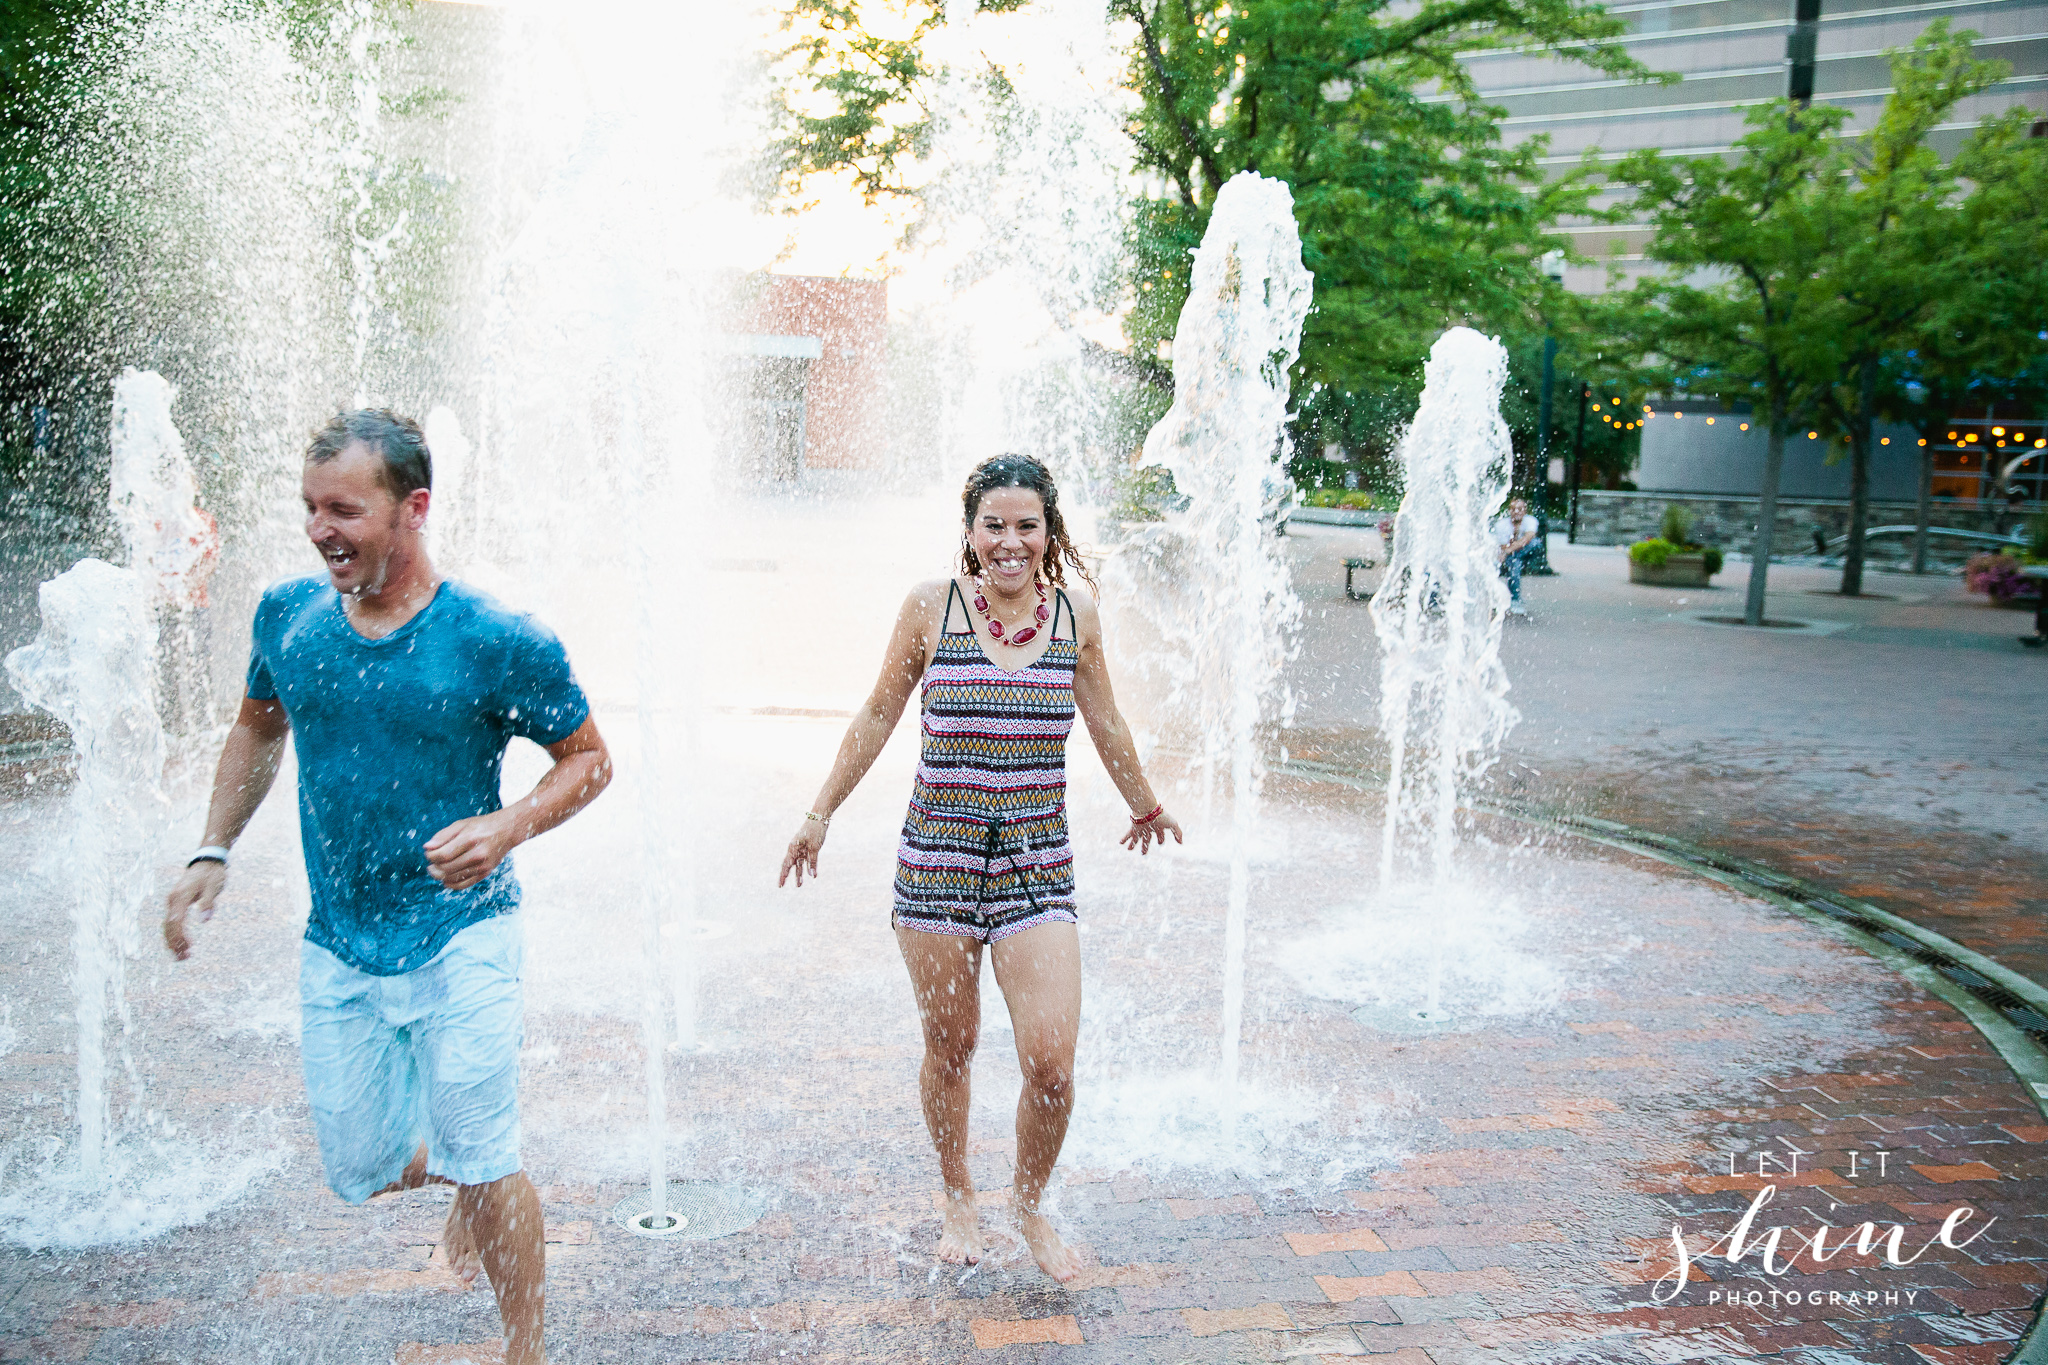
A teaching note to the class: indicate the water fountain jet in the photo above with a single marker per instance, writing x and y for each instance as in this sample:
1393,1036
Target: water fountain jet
96,666
1438,613
1236,340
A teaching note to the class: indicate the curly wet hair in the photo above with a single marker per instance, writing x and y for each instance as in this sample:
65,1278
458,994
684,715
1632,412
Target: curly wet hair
1021,471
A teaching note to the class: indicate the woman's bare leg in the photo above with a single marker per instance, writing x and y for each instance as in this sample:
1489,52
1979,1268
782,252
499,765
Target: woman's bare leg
945,973
1040,973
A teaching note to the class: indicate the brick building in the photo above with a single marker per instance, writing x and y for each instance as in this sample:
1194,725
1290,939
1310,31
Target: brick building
802,363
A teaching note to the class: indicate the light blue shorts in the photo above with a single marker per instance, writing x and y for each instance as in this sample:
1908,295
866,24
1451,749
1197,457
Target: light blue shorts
429,1055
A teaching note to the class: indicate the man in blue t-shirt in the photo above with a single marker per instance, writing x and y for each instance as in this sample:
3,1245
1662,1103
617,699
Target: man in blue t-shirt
403,689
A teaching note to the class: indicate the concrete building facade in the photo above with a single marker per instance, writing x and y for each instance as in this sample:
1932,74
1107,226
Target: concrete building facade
1730,55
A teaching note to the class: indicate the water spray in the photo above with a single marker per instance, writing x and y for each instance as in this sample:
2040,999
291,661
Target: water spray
1237,338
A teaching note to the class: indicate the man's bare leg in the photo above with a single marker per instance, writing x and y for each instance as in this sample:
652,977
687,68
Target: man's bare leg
503,1223
458,1247
1040,973
945,974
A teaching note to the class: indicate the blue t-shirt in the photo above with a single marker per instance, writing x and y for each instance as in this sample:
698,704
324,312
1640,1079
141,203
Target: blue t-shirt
397,739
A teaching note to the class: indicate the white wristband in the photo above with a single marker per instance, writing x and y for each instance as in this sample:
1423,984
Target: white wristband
212,853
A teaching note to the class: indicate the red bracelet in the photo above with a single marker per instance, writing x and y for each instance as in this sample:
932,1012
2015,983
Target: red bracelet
1148,819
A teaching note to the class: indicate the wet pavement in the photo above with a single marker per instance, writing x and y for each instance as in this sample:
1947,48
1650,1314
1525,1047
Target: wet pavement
1624,1045
1890,750
1622,1048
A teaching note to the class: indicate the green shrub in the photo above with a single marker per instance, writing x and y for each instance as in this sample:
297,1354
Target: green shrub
1677,527
1651,553
1356,499
2037,538
1655,552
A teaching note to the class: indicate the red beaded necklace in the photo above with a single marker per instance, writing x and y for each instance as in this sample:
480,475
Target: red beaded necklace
995,627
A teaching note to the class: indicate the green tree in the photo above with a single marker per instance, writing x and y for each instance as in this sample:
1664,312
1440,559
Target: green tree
859,101
1981,341
1734,314
1413,216
1910,249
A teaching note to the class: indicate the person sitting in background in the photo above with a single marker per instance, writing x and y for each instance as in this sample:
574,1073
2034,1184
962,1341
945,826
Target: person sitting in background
1514,534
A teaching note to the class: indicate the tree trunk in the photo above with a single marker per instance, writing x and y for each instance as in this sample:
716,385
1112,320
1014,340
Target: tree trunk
1766,518
1859,479
1925,513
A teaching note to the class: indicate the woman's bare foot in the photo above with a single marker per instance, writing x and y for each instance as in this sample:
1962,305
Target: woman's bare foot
458,1247
960,1241
1046,1247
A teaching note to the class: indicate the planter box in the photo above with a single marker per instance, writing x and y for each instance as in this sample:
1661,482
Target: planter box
1338,516
1679,571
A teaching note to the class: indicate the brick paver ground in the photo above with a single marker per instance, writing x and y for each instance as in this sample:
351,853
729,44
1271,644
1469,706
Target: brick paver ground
1504,1192
1887,752
1629,1043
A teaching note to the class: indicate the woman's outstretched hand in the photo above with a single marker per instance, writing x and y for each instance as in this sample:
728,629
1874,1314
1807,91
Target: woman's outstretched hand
803,852
1143,832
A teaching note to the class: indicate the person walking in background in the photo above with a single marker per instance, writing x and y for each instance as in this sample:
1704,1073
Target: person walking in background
403,690
1003,665
1514,534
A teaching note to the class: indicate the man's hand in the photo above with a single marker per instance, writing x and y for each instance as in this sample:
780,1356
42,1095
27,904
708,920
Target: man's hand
197,890
469,850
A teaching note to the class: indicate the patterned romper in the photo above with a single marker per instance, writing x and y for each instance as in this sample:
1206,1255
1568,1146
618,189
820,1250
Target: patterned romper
984,849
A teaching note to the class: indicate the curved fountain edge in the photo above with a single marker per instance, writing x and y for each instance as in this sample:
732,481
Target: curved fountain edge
1921,959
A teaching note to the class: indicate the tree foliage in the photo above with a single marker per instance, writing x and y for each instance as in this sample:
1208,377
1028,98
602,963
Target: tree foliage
1739,308
1836,280
1413,215
859,102
125,238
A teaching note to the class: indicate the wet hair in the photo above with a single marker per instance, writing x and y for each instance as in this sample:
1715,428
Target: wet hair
407,467
1021,471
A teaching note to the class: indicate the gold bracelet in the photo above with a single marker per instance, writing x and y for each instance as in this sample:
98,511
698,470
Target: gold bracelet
821,819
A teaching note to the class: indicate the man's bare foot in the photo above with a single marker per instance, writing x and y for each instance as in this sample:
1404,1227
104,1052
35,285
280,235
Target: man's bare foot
1046,1247
960,1240
458,1250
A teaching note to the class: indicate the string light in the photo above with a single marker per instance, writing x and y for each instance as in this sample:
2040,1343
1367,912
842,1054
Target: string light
1710,421
1884,440
1678,414
1923,440
1745,426
1813,436
1998,431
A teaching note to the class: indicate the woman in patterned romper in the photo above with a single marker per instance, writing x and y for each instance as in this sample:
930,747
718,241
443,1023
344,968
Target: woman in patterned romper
1005,658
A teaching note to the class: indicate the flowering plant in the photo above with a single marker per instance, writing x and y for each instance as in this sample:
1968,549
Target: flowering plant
1998,574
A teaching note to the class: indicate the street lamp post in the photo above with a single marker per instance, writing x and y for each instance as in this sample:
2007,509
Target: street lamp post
1539,562
1578,452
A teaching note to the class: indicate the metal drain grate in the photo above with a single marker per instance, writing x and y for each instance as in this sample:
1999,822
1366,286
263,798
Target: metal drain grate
707,1210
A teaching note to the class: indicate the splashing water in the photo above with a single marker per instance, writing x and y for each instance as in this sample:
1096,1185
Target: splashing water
173,544
1238,334
95,666
171,541
1443,693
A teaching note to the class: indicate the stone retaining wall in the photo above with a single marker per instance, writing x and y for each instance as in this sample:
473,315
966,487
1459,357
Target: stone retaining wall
1729,521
